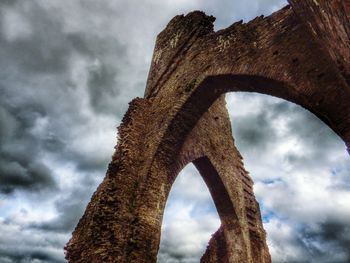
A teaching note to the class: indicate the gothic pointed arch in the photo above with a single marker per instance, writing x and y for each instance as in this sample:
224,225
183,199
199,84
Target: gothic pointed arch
299,53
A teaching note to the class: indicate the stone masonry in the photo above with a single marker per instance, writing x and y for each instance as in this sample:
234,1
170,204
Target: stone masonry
300,53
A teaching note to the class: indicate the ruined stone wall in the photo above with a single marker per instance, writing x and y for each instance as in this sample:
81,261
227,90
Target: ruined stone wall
103,231
279,47
211,148
183,118
329,24
216,250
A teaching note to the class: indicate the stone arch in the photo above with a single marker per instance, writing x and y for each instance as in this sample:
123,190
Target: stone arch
230,233
328,113
206,93
217,190
223,204
241,236
279,49
183,117
189,117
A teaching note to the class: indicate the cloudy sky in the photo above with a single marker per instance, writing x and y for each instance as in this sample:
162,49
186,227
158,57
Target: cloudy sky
68,69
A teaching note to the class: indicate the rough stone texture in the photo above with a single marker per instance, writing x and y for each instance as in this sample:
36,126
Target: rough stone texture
295,54
216,250
329,22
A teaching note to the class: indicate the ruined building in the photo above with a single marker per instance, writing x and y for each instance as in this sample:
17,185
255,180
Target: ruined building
300,53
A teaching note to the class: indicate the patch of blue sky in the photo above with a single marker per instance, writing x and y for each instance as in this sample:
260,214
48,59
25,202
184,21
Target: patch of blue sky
8,205
271,181
270,214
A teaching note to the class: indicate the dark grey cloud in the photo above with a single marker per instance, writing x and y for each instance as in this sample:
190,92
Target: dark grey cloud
32,176
21,244
19,167
38,89
69,209
29,256
43,49
8,2
254,131
330,236
315,242
58,86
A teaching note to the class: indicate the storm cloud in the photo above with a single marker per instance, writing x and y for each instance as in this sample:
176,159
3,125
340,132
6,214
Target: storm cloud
68,70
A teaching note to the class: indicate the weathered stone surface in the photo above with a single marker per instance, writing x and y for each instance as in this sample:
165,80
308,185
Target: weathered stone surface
329,22
182,118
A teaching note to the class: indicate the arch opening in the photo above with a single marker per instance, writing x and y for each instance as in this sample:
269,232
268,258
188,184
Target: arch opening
218,202
328,113
301,174
209,90
190,218
212,87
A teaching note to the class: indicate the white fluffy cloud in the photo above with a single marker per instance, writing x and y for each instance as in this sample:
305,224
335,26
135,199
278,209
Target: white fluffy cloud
189,221
300,168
